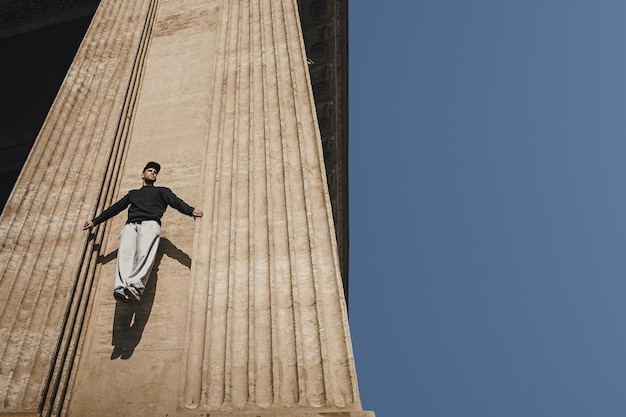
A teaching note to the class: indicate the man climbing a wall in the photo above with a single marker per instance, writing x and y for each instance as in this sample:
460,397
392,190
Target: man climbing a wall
140,237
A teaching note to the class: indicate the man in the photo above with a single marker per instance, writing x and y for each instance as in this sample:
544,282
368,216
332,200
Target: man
140,237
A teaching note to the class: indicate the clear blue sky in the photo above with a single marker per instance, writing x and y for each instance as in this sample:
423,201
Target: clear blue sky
487,205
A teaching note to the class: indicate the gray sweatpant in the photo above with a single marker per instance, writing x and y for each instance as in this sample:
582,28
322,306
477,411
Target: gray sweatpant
138,247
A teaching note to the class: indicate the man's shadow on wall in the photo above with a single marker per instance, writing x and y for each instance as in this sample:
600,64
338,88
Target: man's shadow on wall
130,319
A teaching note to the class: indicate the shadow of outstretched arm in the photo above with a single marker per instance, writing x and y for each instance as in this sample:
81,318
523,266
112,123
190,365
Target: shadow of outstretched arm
169,249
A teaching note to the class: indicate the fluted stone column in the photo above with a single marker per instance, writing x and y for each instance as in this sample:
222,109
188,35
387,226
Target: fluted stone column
245,313
46,265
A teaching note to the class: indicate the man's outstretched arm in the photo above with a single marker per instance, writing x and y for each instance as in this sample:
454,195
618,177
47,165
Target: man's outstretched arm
174,201
108,213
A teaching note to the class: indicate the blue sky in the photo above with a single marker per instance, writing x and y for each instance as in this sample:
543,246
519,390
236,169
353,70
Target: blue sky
487,228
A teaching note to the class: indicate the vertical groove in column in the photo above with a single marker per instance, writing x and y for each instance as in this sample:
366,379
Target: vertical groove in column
40,250
261,377
231,135
240,300
283,328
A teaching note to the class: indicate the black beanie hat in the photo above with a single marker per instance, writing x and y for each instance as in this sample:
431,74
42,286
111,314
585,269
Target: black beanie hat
152,165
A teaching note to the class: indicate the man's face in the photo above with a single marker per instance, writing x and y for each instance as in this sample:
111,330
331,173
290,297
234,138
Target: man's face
149,175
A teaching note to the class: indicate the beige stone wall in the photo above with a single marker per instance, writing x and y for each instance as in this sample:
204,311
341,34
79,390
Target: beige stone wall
244,313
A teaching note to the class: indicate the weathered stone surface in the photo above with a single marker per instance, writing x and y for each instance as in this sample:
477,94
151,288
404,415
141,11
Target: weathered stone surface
46,267
245,312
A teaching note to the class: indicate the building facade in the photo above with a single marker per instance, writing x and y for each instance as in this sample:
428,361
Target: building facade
246,312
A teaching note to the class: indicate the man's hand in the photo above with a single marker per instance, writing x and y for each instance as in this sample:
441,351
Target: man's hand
88,225
197,213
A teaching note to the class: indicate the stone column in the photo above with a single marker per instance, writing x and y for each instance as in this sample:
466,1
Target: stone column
249,316
268,325
46,260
